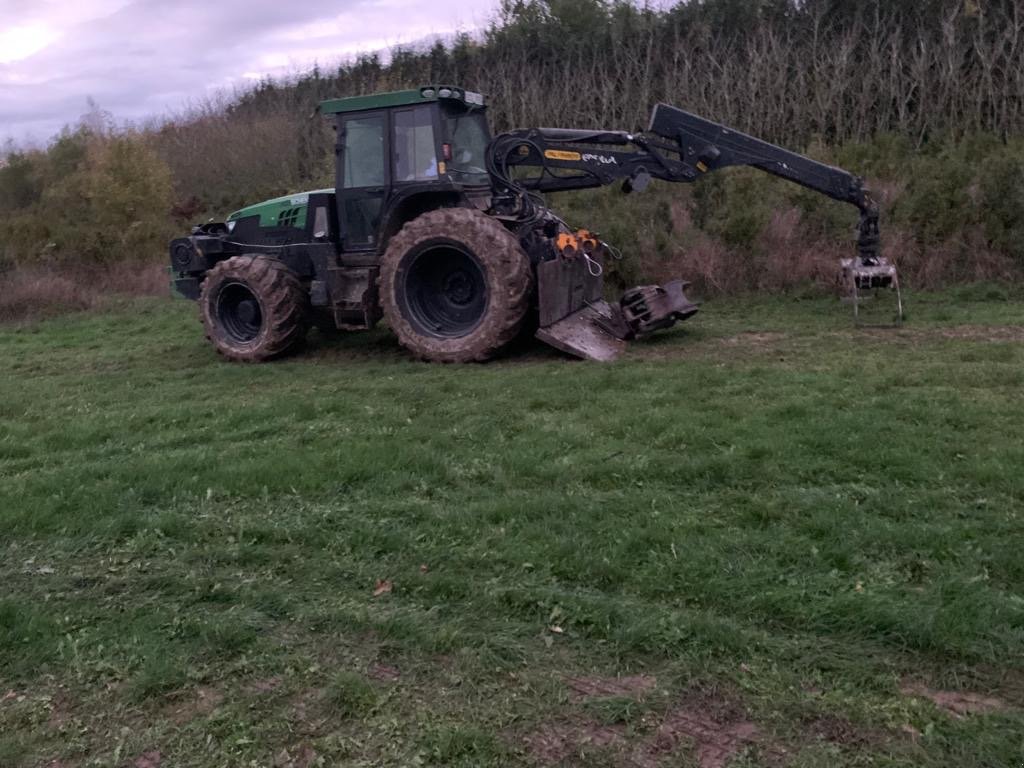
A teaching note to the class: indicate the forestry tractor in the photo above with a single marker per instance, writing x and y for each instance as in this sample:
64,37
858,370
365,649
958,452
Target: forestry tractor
441,230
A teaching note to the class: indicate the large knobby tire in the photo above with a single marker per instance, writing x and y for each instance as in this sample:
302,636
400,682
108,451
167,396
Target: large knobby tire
455,286
253,308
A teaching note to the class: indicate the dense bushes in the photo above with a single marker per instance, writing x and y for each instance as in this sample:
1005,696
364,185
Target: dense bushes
92,198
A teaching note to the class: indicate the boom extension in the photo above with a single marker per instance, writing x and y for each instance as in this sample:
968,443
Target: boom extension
678,147
714,146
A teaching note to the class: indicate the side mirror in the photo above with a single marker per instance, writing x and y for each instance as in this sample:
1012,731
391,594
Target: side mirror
320,223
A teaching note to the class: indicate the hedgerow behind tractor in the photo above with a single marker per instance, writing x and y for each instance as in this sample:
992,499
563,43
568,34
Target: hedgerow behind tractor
441,230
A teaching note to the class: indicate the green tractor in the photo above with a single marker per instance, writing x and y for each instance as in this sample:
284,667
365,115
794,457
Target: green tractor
441,230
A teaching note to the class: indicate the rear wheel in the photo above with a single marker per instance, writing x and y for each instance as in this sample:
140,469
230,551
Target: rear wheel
253,308
455,285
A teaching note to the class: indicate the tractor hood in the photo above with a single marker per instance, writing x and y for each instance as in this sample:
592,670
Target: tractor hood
287,211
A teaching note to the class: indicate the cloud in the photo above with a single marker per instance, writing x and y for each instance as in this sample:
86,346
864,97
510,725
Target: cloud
144,58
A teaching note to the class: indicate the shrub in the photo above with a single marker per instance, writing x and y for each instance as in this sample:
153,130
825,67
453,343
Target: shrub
937,203
20,182
106,200
1001,201
115,207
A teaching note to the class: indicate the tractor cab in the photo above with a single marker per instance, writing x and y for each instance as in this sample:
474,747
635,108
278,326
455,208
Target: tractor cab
396,152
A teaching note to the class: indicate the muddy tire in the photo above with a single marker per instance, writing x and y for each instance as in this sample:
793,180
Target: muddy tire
253,308
455,286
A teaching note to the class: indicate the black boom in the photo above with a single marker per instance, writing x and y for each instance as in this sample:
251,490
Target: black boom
678,146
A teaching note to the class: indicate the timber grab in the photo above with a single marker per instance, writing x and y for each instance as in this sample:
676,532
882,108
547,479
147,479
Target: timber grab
443,231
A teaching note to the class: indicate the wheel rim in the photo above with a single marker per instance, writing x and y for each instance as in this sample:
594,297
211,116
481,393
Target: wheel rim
444,293
239,313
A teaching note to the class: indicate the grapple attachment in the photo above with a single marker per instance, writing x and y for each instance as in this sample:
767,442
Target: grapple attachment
650,308
862,279
576,319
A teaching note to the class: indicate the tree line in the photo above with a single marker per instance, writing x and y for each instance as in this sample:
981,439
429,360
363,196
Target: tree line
791,71
927,76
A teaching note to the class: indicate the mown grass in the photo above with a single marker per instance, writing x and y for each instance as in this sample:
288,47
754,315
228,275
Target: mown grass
766,501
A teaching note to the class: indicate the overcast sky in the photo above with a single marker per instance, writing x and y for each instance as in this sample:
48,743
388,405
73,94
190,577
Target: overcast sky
144,58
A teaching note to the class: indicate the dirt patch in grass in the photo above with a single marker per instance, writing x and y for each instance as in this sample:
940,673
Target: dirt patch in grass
632,686
667,347
983,332
383,673
307,711
959,704
671,346
300,756
713,734
148,759
266,685
754,339
556,743
840,731
61,712
191,705
911,334
707,723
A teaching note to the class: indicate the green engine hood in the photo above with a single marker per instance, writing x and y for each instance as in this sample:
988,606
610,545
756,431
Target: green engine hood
289,210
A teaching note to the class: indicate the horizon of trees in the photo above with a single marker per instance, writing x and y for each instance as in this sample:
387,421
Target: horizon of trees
926,66
925,97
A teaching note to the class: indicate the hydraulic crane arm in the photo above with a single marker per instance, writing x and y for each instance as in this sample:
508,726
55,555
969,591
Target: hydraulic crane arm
679,147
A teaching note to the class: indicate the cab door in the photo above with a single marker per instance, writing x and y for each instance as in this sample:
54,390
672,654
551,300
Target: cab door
363,178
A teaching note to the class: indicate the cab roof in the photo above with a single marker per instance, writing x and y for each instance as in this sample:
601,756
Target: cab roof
424,94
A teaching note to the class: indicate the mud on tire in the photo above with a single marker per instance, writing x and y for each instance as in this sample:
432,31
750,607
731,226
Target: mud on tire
455,286
253,308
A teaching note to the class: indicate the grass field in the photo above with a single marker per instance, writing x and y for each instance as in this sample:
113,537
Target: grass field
765,539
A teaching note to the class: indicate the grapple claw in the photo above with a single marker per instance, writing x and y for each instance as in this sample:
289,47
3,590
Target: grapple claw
862,276
649,308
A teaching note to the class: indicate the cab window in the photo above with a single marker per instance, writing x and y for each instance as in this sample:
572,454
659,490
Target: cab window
467,131
413,146
364,152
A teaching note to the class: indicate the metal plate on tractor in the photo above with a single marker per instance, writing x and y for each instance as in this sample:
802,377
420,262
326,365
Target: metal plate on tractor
565,286
579,334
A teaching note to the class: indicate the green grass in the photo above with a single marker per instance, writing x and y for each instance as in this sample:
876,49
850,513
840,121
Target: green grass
765,501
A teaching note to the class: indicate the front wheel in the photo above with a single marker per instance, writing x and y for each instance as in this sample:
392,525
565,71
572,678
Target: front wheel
253,308
455,285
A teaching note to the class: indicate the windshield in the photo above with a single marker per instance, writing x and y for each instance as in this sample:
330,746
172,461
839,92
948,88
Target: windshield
468,134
